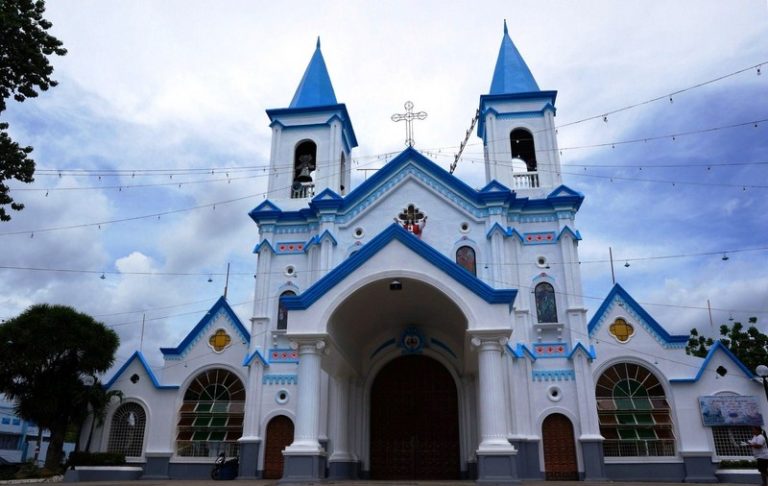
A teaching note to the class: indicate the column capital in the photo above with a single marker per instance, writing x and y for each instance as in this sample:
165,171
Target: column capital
308,344
482,338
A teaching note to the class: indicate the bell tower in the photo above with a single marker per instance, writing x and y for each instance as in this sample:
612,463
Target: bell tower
517,126
311,139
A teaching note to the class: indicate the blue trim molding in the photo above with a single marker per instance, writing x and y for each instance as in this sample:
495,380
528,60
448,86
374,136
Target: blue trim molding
391,233
553,375
619,296
718,347
256,355
220,307
140,357
284,379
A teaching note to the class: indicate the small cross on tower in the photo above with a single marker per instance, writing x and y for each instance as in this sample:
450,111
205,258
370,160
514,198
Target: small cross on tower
409,116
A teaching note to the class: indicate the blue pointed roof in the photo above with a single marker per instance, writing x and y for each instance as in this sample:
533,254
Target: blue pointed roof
315,88
511,74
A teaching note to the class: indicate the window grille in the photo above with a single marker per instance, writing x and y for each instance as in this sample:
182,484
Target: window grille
211,415
126,435
727,441
634,414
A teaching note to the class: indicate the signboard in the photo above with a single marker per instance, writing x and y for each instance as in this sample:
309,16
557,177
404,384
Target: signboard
730,411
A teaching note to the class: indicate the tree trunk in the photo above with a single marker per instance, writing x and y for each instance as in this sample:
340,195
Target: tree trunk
53,458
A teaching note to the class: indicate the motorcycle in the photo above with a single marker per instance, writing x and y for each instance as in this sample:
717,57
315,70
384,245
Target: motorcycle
225,469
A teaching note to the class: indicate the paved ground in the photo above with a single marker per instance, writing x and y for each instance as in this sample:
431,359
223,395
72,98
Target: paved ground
376,483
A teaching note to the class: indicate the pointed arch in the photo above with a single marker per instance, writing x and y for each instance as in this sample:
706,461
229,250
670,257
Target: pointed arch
522,147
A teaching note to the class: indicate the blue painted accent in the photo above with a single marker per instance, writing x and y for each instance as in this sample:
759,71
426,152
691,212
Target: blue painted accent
326,200
385,344
488,101
717,347
567,230
590,353
553,375
395,232
618,293
494,229
281,116
521,350
221,305
287,244
287,379
253,356
315,88
441,344
138,356
411,341
511,74
264,245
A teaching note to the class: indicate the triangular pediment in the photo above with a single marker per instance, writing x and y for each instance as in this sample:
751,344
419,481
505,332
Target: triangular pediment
718,350
620,297
220,309
395,233
137,359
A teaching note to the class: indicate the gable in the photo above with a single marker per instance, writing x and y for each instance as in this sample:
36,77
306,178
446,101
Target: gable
619,297
139,357
718,349
367,251
221,307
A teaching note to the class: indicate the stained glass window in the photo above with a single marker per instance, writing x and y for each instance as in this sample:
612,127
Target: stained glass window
546,307
621,330
126,434
219,340
211,415
465,256
634,413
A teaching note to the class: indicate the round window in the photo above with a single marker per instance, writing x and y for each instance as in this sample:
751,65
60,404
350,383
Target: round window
290,271
554,393
282,396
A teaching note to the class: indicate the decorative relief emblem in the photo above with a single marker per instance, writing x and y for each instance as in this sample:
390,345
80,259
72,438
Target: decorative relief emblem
411,219
621,330
220,340
411,341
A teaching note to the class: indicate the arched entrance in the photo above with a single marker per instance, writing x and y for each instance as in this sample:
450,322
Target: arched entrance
279,436
559,449
414,421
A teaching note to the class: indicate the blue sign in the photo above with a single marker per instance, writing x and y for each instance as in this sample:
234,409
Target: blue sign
717,411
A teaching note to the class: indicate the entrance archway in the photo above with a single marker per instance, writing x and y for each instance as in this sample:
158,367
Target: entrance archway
279,436
414,421
559,449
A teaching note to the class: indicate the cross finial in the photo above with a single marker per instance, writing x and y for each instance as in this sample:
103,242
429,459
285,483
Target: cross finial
409,116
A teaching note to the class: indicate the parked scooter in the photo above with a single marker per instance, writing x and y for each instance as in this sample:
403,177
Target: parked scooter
225,469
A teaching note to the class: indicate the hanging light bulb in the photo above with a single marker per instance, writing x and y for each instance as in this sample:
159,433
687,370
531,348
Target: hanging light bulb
103,277
725,257
626,264
210,279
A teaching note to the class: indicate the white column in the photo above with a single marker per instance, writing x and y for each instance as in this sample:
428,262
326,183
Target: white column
307,431
340,419
491,398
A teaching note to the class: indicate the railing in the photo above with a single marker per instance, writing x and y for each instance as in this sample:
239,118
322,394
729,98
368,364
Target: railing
301,190
206,448
525,180
638,447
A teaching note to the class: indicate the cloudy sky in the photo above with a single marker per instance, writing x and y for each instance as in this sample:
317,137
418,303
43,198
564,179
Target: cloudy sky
160,110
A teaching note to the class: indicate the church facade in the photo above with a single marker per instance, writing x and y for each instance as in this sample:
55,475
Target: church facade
417,328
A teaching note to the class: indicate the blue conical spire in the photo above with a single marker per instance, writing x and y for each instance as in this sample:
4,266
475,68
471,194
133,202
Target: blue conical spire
511,74
315,88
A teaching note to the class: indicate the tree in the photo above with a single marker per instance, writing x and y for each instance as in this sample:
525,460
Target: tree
48,355
750,346
24,69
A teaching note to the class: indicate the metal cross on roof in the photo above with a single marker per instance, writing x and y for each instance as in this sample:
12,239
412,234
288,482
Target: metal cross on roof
409,116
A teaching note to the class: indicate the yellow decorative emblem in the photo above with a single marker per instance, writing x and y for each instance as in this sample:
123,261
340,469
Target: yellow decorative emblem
621,330
219,340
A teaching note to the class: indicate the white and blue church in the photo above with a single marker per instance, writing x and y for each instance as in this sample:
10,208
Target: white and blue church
414,327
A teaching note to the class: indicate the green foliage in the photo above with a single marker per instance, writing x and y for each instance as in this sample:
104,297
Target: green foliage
24,69
750,345
48,358
29,471
82,458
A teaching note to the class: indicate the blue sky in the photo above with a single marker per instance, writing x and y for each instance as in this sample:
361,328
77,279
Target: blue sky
170,86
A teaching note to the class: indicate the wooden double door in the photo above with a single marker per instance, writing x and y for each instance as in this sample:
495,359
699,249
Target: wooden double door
560,463
414,421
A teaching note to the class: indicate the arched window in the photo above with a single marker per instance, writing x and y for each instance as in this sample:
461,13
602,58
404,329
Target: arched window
465,256
126,434
282,312
304,163
211,415
634,413
546,307
521,142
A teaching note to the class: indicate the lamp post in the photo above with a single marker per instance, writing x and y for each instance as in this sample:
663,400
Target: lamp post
762,372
